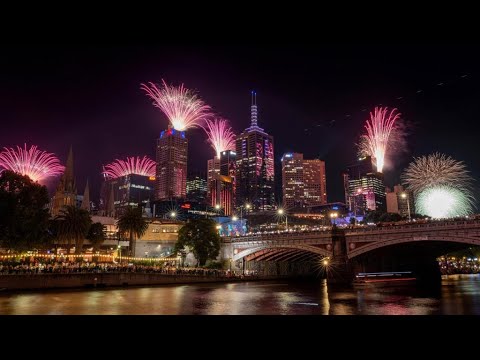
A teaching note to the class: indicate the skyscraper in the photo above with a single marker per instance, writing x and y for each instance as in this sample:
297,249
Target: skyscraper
171,171
364,187
255,165
213,169
66,193
315,179
303,181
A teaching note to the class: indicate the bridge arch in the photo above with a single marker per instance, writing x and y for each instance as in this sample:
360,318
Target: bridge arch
411,239
281,252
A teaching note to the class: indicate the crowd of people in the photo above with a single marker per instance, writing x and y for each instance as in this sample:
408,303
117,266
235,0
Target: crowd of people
54,267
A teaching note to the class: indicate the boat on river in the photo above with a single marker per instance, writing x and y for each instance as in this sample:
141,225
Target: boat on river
392,278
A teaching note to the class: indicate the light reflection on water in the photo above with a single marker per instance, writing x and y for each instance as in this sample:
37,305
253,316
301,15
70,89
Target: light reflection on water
458,294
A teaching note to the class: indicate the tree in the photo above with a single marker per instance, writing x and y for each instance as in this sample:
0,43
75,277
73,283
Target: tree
73,224
23,212
96,235
201,236
133,223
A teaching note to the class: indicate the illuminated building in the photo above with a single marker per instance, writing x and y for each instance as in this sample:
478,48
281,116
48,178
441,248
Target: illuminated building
66,192
131,190
303,181
213,169
364,187
197,188
255,165
222,194
171,170
159,239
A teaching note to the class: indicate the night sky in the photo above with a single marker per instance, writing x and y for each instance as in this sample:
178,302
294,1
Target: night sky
313,99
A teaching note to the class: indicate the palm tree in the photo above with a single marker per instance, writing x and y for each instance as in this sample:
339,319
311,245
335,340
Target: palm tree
73,224
133,223
96,235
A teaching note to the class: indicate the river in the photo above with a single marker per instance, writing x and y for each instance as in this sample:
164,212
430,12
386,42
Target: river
457,295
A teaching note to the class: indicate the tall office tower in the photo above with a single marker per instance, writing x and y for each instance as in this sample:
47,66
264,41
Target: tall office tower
255,165
222,194
315,180
292,180
171,171
213,169
66,193
364,187
303,181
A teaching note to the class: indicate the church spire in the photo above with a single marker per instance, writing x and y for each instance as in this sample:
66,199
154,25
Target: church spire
86,198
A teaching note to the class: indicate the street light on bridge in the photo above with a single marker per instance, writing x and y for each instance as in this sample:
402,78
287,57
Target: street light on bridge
282,212
405,196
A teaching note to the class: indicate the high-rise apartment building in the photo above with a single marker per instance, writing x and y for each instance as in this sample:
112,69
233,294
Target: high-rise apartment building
255,173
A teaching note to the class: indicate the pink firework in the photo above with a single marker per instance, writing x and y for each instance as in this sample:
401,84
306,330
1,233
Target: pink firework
380,132
133,165
182,106
36,164
220,135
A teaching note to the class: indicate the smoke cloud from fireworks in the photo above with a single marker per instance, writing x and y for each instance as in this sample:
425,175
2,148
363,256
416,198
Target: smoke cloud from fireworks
442,186
220,135
183,108
133,165
383,132
36,164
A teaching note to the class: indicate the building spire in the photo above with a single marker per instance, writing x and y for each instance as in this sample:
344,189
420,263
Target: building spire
86,198
253,110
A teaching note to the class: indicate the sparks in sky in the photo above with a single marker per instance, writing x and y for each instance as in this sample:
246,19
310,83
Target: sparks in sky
380,131
133,165
220,135
442,186
36,164
183,108
442,202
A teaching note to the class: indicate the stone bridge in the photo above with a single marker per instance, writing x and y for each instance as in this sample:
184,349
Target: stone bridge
344,245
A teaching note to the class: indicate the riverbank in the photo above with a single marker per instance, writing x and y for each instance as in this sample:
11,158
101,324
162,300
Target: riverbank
102,280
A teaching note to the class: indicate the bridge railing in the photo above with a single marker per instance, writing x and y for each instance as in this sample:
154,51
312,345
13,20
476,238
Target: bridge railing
414,225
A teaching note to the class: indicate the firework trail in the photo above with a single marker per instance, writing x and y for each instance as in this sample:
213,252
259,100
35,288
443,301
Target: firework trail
36,164
183,108
442,186
220,135
381,129
133,165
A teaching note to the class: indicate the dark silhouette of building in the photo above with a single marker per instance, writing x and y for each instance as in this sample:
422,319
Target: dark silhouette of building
66,193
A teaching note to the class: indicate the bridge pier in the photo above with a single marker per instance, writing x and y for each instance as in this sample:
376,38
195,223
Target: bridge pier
339,269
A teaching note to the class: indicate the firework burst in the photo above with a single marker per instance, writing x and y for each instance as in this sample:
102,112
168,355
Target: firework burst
183,108
444,202
442,186
220,135
36,164
133,165
381,134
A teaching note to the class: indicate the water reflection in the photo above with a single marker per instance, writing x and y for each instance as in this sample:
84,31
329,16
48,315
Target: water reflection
459,294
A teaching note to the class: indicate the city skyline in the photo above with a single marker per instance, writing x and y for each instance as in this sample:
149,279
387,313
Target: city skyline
106,126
